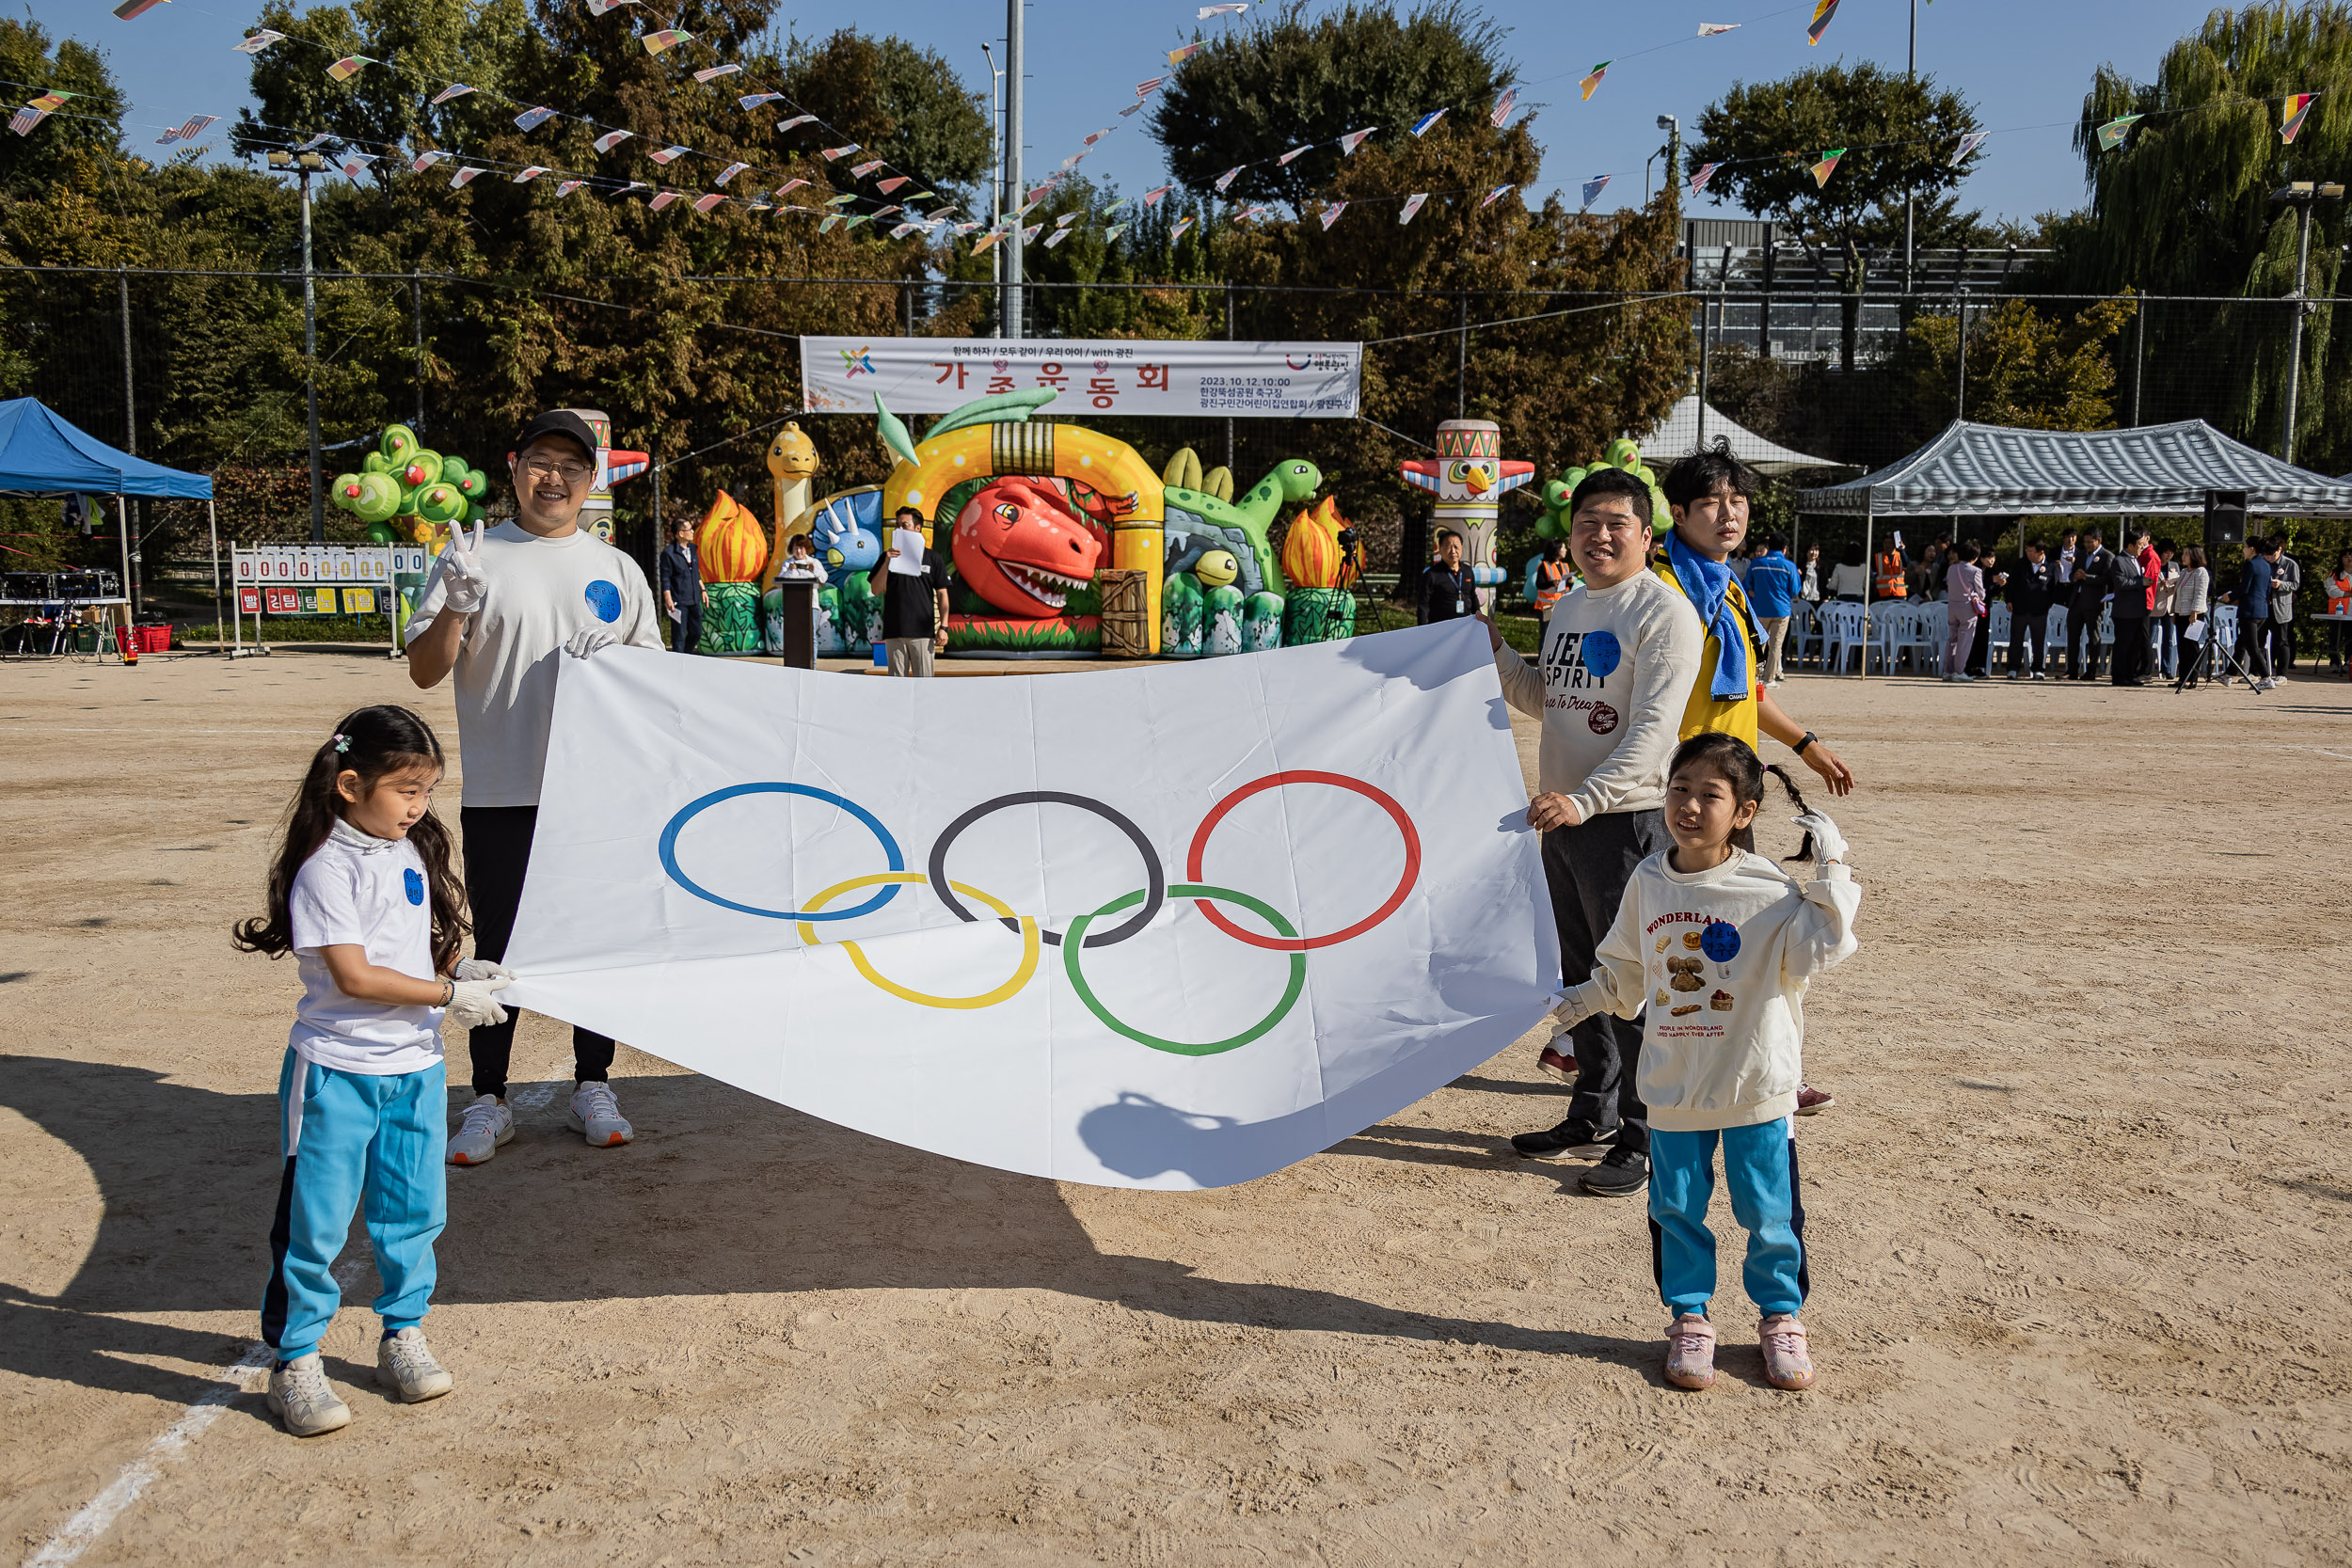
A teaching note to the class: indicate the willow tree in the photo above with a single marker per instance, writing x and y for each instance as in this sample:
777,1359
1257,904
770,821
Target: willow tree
2184,206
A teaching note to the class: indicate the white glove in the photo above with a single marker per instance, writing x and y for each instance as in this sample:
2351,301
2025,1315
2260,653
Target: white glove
482,969
474,1005
1828,842
587,639
1568,1010
462,581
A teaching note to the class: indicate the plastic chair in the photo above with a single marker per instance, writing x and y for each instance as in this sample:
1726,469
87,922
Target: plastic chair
1998,630
1804,626
1841,636
1913,631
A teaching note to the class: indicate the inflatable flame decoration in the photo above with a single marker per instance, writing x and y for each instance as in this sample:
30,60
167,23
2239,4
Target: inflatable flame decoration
1311,556
731,545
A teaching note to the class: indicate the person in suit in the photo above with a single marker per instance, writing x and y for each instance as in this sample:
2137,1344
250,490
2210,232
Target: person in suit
2128,574
2093,564
2028,592
2286,581
682,588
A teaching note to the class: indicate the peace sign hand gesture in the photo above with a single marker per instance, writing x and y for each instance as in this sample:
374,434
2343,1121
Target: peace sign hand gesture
463,583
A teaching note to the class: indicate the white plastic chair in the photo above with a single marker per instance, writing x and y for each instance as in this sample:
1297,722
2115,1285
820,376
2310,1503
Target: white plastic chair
1804,627
1998,630
1913,631
1840,630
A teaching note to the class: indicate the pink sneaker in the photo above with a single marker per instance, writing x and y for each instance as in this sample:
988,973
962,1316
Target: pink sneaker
1690,1352
1562,1068
1812,1102
1786,1364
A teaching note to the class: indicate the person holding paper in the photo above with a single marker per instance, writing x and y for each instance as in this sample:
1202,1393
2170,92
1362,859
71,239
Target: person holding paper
2192,597
915,601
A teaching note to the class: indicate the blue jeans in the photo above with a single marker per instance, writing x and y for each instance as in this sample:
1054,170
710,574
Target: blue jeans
1760,1165
350,1137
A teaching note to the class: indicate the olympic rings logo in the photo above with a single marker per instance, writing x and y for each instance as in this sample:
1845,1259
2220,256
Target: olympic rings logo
1146,901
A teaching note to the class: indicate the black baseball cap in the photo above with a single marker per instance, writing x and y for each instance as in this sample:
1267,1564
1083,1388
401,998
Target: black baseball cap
559,422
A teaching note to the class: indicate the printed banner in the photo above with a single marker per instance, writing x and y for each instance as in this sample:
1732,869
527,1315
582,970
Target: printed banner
1186,378
1173,926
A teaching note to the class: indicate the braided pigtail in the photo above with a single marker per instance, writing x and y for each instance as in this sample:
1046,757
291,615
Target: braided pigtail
1804,850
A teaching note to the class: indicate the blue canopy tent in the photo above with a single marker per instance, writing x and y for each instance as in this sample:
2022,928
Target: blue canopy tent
42,456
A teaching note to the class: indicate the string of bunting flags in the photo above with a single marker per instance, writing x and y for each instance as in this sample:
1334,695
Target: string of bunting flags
938,226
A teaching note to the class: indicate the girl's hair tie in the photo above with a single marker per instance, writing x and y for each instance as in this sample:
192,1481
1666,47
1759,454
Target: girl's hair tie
343,743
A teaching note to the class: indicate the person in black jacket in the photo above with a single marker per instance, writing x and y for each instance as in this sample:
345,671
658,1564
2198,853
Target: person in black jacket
1446,592
2028,597
682,589
2093,564
2130,580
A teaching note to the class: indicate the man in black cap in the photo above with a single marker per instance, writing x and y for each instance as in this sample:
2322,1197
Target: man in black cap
499,610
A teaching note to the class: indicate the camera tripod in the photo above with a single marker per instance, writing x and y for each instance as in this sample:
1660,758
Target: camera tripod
2211,658
1352,570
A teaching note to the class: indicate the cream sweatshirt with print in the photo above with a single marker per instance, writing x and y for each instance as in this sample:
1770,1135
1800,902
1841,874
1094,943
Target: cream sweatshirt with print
1721,959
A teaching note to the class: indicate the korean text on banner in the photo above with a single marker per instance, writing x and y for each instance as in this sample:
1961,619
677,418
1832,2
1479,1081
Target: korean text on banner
1172,927
1231,380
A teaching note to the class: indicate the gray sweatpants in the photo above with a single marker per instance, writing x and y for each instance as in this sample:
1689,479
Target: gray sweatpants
1586,869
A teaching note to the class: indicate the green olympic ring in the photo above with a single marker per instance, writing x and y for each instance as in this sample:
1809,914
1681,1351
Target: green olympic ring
1074,944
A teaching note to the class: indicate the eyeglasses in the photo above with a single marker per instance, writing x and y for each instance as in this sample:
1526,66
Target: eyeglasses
570,474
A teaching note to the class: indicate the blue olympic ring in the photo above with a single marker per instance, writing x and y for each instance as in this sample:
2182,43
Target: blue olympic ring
686,813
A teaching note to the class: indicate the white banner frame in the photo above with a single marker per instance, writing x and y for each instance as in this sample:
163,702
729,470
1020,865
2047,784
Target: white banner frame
1180,378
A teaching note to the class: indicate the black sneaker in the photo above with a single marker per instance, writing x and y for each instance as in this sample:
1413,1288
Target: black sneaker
1573,1139
1623,1173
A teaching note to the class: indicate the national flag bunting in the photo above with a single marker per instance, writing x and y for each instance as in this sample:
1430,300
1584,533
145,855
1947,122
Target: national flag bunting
599,8
1030,234
530,120
357,165
1592,78
314,143
455,89
461,177
1355,139
1227,178
131,10
1177,56
669,37
841,201
1067,219
1699,179
1968,144
347,68
1709,29
527,176
704,203
2112,134
663,199
1425,121
423,161
1412,205
728,173
832,221
712,72
1152,197
1056,238
1823,11
612,139
1146,88
1593,188
1098,135
1178,232
1503,107
1283,161
1234,8
1492,197
2299,107
984,241
669,155
790,185
569,186
830,153
1330,214
902,230
1128,110
886,187
859,171
186,133
256,41
1113,232
753,100
795,120
1827,167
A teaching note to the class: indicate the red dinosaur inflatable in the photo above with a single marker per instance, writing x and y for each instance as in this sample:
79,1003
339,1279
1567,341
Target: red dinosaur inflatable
1022,546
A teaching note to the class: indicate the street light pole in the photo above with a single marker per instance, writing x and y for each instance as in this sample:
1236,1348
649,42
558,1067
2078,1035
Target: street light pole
1012,242
996,194
2304,195
1911,74
305,165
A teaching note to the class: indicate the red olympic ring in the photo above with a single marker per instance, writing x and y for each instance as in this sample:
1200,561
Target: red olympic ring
1301,944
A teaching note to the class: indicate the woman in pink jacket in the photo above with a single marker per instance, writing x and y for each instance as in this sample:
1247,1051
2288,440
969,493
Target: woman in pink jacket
1964,602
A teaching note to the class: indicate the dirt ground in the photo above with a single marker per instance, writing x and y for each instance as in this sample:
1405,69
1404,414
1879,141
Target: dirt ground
2079,1225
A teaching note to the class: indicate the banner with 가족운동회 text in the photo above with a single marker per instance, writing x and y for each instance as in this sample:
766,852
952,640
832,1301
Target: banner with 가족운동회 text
1184,377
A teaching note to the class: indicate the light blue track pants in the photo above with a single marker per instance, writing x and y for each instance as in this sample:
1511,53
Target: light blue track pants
1760,1167
349,1136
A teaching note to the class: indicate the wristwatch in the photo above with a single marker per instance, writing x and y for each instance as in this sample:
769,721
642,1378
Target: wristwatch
1808,739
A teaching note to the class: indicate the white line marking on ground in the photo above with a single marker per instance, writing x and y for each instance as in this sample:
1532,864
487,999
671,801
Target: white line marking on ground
533,1097
79,1534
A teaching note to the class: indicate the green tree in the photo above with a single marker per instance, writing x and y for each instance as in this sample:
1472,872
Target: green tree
2031,371
898,102
1291,78
1898,136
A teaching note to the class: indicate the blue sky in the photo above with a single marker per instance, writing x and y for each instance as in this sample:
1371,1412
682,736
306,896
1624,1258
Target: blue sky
2025,63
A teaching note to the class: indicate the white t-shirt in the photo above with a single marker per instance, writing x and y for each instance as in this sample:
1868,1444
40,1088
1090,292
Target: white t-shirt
1616,667
371,894
541,591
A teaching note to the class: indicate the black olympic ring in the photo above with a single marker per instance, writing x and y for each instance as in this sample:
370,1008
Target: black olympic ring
1155,876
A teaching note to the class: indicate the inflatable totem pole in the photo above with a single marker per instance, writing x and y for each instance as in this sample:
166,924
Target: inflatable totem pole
1470,478
596,514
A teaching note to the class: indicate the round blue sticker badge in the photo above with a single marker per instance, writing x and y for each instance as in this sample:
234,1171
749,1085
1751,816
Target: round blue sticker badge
1720,940
605,600
412,881
1601,653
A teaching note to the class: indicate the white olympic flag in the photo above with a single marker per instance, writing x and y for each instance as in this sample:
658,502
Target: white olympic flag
1178,925
1186,378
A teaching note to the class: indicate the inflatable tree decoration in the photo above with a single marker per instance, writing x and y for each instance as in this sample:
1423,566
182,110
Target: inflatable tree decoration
407,493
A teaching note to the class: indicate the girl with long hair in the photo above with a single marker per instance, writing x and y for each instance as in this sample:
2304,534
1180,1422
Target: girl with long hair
362,894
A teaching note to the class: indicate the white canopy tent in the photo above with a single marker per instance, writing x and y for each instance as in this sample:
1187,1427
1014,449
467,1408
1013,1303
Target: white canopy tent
1683,431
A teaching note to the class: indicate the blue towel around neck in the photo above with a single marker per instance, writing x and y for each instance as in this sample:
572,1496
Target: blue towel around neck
1707,585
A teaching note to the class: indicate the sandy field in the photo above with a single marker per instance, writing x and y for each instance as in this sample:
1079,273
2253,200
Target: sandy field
2079,1225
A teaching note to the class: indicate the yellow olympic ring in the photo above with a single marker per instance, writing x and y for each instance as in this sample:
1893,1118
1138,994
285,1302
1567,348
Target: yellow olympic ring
1030,944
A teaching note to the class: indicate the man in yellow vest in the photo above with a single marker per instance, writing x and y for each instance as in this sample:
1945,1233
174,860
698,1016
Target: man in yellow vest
1709,494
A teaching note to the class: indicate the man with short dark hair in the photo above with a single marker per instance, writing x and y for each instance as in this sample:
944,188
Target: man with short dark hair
915,599
1618,656
2253,615
1446,591
501,612
2086,590
2286,581
2129,578
2028,594
1772,585
682,588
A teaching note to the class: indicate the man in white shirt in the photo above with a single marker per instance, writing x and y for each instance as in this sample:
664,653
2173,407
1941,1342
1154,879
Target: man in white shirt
500,613
1619,655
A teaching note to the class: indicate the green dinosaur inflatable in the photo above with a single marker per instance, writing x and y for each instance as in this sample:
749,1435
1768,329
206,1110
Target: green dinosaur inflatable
1202,516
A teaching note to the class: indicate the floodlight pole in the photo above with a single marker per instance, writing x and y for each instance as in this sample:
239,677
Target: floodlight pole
996,193
2304,195
1011,244
131,552
1911,74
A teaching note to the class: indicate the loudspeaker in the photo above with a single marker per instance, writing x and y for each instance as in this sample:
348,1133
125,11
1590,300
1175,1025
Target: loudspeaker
2225,520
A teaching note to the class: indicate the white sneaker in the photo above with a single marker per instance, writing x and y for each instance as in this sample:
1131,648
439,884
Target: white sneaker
405,1364
2269,684
596,1117
300,1396
485,1131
